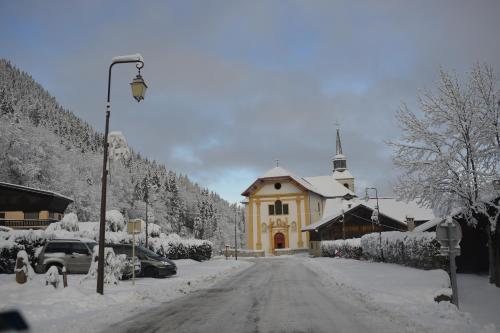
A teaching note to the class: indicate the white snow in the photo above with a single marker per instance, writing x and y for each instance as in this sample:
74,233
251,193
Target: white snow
79,308
404,294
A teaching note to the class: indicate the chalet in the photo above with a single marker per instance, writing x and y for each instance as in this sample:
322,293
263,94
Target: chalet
24,207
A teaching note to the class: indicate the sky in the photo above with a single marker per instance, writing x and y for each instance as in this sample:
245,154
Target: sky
235,85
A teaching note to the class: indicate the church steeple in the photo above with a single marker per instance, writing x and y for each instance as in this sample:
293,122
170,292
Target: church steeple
339,161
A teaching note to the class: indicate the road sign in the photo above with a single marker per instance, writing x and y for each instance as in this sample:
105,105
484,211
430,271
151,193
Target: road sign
449,235
134,226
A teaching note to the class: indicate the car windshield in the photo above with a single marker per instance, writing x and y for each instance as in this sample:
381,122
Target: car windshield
91,245
149,253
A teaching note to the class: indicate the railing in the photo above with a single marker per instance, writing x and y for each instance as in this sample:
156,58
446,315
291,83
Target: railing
25,223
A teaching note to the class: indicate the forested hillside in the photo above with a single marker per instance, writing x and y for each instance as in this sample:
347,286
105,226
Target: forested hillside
46,146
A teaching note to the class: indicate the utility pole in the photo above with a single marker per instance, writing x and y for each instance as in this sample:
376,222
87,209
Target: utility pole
235,238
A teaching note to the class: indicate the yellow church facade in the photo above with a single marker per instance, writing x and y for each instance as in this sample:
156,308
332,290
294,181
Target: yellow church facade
279,204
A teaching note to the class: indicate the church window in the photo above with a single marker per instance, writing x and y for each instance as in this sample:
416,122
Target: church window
277,186
346,185
271,209
285,209
278,207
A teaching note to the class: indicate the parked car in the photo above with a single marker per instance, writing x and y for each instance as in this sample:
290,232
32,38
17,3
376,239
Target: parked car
152,264
75,255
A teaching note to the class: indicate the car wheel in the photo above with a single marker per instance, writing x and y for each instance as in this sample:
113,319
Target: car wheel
151,272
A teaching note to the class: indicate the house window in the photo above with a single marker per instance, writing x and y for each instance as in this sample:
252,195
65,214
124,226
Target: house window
31,216
2,215
271,209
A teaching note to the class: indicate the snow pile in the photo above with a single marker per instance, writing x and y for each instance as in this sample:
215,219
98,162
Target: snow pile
416,249
114,265
400,294
23,265
348,248
114,221
52,277
68,223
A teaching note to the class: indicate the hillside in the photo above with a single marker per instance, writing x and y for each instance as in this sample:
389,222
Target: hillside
46,146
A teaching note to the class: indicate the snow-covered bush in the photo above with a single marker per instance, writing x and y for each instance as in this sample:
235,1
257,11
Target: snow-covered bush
114,221
8,255
52,277
416,249
25,268
349,248
11,242
175,247
68,223
114,265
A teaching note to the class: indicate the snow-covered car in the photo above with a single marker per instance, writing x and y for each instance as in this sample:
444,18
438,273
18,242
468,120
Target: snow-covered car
75,255
152,264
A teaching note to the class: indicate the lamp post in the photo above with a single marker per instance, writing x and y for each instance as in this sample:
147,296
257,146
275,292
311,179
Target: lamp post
376,218
235,242
138,91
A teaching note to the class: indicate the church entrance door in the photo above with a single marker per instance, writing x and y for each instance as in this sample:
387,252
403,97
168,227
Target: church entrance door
279,241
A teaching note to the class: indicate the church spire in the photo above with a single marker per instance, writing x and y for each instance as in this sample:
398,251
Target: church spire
339,161
339,144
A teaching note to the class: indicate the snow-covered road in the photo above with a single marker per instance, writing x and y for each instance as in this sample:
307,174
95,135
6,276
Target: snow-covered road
274,295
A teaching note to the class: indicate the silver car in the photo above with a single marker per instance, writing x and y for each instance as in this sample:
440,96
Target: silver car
74,254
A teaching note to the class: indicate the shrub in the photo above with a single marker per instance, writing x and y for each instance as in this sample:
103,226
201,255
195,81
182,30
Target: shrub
349,248
114,221
416,249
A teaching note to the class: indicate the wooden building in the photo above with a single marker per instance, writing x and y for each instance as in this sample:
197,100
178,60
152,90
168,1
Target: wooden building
24,207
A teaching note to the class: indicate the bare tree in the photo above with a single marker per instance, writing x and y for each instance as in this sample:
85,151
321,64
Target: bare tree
450,154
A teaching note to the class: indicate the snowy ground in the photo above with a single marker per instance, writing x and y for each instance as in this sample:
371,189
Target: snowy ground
79,309
404,294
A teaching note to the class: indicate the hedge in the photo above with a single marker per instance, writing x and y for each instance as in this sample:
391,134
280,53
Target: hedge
349,248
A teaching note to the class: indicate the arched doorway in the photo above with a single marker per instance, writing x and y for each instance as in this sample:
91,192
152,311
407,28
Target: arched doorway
279,241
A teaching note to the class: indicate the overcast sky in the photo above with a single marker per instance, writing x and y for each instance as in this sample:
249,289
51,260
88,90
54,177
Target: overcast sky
234,85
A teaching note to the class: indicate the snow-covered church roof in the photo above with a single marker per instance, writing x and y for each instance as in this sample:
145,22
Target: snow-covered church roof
325,186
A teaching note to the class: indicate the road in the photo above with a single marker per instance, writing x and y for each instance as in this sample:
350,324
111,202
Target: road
274,295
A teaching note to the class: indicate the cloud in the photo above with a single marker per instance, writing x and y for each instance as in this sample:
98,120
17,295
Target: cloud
235,85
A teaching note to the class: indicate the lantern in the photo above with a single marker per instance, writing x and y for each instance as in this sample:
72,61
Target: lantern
138,88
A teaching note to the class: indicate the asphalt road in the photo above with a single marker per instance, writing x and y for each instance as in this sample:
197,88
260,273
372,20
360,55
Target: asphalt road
274,295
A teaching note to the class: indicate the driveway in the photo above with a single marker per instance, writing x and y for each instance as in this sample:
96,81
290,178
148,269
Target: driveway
274,295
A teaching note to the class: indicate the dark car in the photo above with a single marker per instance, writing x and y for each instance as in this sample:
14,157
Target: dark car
152,264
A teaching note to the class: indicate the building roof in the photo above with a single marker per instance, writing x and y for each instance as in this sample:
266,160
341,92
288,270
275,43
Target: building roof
428,225
325,186
23,198
389,207
342,174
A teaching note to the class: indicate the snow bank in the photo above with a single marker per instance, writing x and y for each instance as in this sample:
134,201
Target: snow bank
398,293
79,308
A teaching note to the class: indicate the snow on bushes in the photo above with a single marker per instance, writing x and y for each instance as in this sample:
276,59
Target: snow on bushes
174,247
416,249
68,223
114,221
52,277
114,265
23,265
349,248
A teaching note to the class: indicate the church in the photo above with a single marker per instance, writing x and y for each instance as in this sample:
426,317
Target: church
287,213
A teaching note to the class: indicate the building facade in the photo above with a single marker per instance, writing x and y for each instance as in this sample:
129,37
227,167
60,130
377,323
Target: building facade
24,207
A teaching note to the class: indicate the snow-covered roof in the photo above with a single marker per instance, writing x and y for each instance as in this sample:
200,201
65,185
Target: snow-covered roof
328,187
390,207
342,174
400,210
325,186
428,225
34,190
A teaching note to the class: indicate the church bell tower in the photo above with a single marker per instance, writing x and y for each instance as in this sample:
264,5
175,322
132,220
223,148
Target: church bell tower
340,172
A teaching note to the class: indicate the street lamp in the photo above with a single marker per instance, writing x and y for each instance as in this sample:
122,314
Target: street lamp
376,218
138,91
235,241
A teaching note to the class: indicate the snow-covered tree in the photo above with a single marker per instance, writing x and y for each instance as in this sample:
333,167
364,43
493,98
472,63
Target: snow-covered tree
449,154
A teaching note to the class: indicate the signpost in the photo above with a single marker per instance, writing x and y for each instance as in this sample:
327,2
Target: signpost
134,227
449,235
